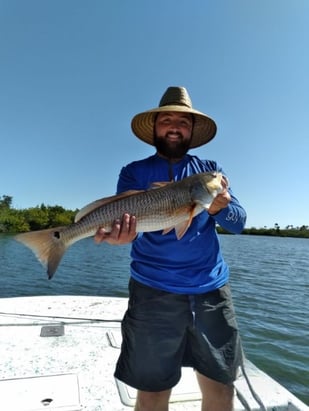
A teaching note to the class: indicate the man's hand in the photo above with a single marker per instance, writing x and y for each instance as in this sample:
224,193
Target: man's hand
123,232
221,200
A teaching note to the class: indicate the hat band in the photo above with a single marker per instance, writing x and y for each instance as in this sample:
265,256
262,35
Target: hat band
177,103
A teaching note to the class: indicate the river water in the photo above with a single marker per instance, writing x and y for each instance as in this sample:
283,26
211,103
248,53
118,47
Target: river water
269,279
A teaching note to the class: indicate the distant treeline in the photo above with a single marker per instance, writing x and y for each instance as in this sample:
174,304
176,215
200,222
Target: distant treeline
40,217
299,232
35,218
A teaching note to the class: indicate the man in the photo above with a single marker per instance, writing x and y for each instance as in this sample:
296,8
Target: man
180,310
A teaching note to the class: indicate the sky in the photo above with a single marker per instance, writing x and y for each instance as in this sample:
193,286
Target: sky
73,73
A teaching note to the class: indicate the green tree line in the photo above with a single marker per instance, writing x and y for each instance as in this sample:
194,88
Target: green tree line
35,218
276,231
13,220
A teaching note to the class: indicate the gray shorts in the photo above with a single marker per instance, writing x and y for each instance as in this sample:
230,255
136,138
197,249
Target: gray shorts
163,332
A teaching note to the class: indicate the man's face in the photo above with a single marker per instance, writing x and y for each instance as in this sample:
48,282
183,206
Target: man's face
172,134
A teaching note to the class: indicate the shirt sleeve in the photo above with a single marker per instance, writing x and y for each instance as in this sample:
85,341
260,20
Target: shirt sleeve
128,180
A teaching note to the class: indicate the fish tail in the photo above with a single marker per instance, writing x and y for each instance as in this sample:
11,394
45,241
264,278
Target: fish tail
48,246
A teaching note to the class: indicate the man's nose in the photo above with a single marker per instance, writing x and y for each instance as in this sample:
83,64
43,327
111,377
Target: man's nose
174,126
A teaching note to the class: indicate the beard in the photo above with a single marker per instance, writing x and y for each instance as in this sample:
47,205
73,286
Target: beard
171,149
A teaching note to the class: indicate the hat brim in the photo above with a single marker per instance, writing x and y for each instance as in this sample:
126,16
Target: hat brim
204,128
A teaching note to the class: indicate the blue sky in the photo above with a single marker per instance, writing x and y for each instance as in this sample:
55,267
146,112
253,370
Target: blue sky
73,73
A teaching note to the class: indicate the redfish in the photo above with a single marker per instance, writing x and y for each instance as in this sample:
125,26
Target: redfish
166,207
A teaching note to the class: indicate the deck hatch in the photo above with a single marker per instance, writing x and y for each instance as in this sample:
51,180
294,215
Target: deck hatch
55,330
54,392
186,390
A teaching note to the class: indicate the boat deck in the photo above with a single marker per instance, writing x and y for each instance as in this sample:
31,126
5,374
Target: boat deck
59,353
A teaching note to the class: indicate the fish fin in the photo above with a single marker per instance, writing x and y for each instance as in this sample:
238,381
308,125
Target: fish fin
102,201
181,228
47,245
167,230
159,184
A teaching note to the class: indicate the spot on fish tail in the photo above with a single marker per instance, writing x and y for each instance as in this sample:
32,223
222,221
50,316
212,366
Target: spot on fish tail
57,234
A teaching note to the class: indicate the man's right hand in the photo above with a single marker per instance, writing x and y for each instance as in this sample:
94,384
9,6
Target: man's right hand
123,232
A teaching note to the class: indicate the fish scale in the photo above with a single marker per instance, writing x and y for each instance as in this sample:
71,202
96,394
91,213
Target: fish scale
169,206
153,211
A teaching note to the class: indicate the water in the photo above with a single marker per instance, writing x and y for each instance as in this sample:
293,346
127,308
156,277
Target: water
269,279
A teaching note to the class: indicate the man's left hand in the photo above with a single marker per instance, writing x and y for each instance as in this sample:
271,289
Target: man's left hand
221,200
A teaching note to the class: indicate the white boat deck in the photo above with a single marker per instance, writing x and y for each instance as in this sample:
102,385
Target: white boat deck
59,353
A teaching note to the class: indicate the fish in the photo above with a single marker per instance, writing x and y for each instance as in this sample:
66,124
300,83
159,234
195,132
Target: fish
165,206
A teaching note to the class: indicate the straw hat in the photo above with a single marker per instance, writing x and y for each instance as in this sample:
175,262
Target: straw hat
175,99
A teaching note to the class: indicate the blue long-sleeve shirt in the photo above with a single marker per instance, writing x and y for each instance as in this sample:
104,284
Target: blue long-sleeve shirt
193,264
